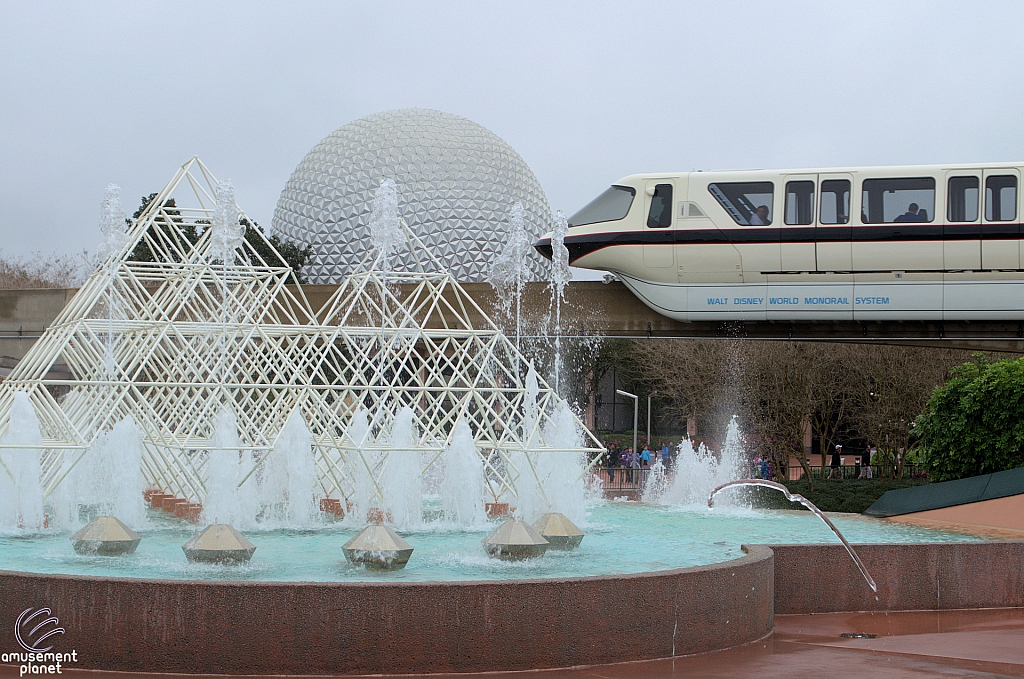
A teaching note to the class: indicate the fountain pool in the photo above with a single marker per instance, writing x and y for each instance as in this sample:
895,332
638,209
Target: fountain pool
621,538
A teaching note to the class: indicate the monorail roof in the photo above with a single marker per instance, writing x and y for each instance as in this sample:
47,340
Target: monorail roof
876,169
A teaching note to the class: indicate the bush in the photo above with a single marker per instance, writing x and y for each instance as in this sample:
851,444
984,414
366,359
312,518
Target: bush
974,423
850,495
39,271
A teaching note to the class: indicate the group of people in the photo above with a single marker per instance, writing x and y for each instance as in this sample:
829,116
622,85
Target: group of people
762,468
862,465
628,461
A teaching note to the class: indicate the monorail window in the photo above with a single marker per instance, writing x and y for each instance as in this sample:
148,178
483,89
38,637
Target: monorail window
835,201
899,199
962,199
748,203
610,206
1000,198
660,215
800,202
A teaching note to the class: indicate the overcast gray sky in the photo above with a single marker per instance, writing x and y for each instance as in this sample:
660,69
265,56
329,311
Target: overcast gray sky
102,92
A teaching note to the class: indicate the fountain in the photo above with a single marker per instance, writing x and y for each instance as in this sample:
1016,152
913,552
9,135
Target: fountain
289,487
203,378
697,471
106,536
229,499
219,543
463,489
514,540
378,547
794,497
558,530
21,494
560,277
510,272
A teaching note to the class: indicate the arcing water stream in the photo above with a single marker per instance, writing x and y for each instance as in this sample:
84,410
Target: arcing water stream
793,497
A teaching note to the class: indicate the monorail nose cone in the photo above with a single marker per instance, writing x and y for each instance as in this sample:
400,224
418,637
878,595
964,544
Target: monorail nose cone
543,246
105,536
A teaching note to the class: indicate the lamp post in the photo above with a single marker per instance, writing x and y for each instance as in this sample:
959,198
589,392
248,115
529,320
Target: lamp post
636,408
653,393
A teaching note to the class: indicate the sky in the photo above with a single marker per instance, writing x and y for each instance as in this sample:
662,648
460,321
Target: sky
94,93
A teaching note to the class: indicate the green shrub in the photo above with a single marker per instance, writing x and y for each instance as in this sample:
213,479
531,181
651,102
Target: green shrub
974,423
850,495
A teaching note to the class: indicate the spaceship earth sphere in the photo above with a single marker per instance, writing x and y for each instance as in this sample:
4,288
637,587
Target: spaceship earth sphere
457,182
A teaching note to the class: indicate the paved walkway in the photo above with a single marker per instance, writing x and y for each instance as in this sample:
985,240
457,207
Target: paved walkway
978,643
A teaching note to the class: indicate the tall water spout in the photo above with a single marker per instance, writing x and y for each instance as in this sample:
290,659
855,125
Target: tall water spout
510,271
226,234
385,228
362,464
226,501
107,480
462,489
113,223
20,490
21,493
289,483
400,481
530,498
560,277
698,471
562,470
530,412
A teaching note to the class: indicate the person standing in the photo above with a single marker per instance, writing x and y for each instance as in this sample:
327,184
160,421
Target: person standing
610,459
836,463
645,457
665,455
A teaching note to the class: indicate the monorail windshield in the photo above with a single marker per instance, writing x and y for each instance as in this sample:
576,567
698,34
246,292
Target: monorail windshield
610,206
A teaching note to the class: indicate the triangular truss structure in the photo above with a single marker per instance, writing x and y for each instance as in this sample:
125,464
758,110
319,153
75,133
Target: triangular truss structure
173,342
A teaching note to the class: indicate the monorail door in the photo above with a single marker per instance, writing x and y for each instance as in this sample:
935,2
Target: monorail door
1000,228
798,219
833,233
658,233
961,232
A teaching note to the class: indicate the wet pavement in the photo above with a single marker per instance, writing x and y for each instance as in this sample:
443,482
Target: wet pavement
974,643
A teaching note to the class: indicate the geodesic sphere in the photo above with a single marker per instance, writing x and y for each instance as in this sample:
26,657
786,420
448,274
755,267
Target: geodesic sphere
457,182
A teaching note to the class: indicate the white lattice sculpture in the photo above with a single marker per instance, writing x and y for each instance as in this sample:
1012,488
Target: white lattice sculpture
172,343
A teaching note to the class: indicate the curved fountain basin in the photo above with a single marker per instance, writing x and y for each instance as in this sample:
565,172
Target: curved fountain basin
620,539
454,610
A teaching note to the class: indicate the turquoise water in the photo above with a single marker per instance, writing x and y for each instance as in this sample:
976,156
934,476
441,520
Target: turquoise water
620,538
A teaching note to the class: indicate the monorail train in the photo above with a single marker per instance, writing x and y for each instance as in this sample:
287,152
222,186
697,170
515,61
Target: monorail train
924,242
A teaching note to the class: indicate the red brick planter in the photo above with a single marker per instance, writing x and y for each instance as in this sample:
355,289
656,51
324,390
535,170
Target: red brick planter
368,628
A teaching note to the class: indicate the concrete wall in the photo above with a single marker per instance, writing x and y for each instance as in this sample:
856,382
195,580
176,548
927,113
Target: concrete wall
335,628
823,578
24,314
328,628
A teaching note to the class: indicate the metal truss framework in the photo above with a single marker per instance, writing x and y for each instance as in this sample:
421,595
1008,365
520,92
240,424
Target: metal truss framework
174,341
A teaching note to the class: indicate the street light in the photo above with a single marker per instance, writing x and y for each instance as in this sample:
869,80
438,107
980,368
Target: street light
636,408
653,393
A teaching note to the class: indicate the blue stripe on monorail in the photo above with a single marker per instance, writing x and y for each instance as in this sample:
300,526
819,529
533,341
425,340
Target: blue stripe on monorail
585,244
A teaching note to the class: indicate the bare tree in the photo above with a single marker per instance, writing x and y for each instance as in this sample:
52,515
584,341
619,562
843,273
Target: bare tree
777,387
37,271
894,389
692,376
